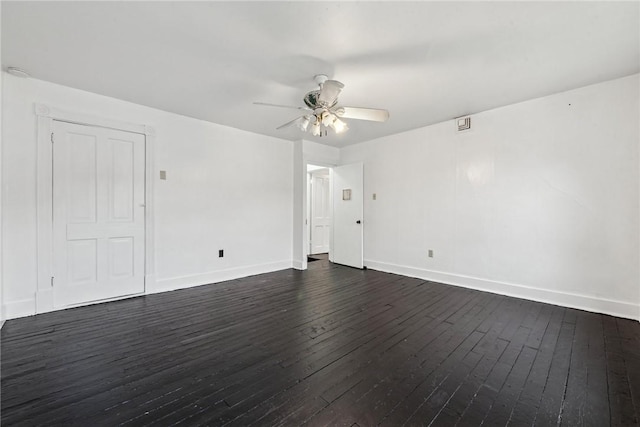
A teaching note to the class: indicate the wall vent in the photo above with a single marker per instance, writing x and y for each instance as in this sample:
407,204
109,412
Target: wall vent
463,123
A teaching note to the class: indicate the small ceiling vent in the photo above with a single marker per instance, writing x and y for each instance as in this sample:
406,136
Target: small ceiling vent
463,123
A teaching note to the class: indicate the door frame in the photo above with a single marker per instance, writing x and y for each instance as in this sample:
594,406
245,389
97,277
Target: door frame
304,178
309,212
46,115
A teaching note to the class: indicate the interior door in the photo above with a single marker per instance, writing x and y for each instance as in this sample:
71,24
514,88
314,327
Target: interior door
348,201
320,212
98,213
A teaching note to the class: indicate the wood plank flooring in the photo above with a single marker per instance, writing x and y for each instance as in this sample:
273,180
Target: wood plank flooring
328,346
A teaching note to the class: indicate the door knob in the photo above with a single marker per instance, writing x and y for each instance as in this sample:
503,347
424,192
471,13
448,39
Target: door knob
358,222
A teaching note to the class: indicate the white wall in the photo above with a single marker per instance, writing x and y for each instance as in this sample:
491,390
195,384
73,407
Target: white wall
540,200
225,189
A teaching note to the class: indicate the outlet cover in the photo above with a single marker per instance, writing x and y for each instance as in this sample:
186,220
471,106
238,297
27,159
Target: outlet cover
221,253
430,253
163,174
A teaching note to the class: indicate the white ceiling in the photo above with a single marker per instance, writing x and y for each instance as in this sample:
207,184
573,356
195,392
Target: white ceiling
426,62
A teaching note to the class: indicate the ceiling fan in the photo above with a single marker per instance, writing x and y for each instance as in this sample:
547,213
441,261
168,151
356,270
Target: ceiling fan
322,111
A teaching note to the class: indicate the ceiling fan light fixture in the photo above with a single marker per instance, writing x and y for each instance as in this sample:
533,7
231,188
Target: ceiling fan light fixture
339,126
304,124
315,128
327,118
329,91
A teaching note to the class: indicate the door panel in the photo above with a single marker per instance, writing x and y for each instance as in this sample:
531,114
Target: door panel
320,213
98,213
122,180
82,178
121,256
82,261
347,215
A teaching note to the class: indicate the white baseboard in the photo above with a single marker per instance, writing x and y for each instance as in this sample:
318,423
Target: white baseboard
565,299
20,308
182,282
27,307
297,264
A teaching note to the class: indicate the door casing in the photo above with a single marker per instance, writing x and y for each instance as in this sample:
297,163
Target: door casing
44,204
323,179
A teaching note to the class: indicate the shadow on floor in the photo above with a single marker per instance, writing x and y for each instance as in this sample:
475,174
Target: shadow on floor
317,257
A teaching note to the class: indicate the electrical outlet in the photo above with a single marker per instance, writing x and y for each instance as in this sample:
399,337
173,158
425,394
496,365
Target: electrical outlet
221,253
430,253
374,196
163,174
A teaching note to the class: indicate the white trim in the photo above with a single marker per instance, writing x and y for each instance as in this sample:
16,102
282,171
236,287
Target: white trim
19,308
44,215
297,264
46,115
149,225
53,113
189,281
27,307
566,299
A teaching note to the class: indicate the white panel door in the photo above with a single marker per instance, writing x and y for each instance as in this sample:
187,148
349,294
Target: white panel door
348,200
320,212
98,213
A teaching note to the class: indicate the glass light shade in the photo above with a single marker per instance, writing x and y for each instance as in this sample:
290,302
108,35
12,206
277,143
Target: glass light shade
327,118
315,128
330,91
304,124
339,126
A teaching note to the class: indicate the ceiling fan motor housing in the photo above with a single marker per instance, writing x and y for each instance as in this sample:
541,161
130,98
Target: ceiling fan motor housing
311,99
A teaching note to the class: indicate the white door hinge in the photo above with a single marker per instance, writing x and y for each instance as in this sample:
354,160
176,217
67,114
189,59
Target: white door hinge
52,281
52,137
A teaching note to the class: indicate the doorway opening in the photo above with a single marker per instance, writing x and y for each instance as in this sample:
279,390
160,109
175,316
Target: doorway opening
319,213
334,208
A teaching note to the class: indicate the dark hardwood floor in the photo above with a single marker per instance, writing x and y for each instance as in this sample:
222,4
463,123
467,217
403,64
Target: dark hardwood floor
329,346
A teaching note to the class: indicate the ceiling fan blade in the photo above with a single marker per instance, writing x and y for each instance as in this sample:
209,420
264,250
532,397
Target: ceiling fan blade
283,106
297,121
330,91
372,114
